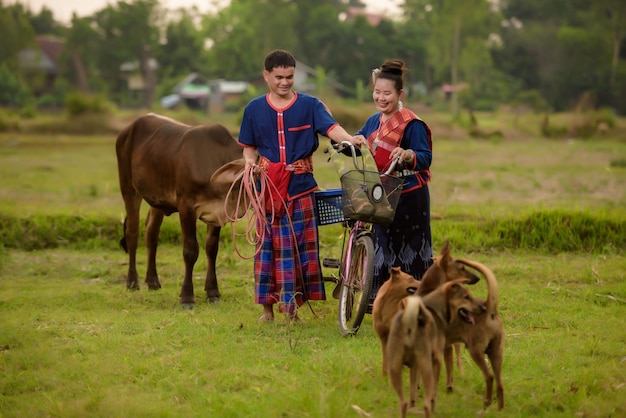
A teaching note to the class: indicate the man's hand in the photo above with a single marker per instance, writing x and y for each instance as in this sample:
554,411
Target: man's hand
359,140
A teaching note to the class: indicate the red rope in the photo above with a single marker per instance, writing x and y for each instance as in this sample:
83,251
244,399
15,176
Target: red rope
253,198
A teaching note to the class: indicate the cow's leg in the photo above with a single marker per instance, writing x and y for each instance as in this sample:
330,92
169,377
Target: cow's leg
211,247
190,255
153,226
132,202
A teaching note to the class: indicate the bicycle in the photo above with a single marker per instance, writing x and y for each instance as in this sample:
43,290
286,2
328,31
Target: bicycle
356,268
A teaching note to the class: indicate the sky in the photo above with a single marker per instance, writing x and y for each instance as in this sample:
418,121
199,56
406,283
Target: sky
63,9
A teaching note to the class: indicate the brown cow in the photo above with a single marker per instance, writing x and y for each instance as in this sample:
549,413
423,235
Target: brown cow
174,167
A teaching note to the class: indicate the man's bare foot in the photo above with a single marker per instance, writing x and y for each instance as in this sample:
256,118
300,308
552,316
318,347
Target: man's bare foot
293,317
266,318
268,314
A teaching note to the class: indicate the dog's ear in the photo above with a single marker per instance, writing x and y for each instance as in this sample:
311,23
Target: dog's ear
471,277
444,255
445,249
394,273
469,274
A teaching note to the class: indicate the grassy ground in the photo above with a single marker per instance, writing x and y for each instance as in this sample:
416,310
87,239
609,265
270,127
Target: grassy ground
74,342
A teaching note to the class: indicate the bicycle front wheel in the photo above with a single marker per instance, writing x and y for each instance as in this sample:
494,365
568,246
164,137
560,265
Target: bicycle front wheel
356,286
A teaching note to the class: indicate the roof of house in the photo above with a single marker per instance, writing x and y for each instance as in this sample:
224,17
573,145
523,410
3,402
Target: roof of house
193,86
44,58
226,86
130,66
52,47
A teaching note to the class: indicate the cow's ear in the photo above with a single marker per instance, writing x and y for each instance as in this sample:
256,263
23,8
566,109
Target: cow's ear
227,173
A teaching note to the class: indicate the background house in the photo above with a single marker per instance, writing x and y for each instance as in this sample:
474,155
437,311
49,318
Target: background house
227,95
39,64
139,86
195,92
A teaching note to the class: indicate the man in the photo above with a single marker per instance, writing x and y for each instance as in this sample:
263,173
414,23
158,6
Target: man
279,134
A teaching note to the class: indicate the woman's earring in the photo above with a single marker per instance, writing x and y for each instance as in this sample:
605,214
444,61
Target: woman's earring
399,105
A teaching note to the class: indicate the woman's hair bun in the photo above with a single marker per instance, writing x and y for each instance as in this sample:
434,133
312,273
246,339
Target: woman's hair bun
393,67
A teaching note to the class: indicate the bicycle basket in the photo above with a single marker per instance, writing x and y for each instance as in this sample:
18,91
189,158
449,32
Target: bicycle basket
369,196
328,204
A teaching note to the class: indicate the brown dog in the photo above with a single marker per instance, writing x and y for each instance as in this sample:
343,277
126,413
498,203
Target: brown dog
417,338
445,269
414,342
486,336
386,305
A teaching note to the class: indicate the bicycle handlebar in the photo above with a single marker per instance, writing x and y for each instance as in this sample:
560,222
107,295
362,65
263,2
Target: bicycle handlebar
343,144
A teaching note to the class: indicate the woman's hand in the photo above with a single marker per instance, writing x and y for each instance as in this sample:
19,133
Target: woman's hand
404,155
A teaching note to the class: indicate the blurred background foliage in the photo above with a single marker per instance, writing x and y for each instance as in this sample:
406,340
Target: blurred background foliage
530,55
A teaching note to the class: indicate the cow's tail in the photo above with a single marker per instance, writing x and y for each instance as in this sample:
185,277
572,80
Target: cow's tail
123,244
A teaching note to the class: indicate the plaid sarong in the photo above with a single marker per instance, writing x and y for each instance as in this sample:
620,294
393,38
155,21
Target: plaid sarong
282,274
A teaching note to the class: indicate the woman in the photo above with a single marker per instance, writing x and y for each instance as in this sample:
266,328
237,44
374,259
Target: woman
397,132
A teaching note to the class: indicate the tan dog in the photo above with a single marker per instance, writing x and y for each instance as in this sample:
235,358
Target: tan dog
445,269
414,342
486,336
386,305
417,338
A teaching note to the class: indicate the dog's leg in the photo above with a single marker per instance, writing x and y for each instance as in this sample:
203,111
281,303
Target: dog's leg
459,362
436,368
414,381
395,377
447,356
496,354
478,356
383,343
425,367
497,371
394,366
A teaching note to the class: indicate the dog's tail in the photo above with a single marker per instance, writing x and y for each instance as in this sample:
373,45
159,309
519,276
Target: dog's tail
492,283
414,316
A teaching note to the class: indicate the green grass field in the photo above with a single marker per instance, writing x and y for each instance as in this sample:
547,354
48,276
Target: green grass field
75,343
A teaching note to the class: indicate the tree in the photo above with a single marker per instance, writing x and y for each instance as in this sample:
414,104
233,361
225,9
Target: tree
44,23
16,34
128,33
79,56
243,32
456,25
183,51
610,18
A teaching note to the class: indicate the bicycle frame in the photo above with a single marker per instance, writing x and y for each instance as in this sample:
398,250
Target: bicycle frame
356,230
356,266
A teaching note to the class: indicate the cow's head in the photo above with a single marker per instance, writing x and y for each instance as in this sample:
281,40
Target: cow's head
225,176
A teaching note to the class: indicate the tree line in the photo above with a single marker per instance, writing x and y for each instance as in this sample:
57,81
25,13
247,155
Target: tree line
546,55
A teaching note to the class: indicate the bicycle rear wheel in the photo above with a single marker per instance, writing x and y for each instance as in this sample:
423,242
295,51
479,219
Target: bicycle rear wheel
356,286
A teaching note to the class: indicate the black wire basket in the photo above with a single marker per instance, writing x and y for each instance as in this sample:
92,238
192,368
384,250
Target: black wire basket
369,196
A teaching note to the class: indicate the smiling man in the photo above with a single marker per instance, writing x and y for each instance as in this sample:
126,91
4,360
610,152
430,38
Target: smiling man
279,133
